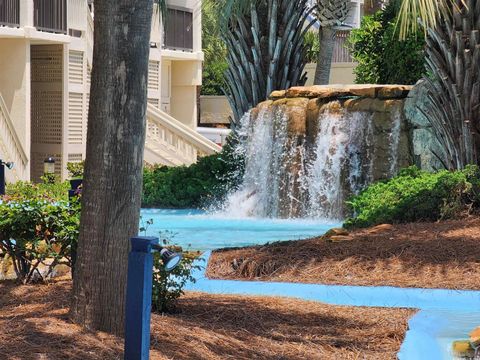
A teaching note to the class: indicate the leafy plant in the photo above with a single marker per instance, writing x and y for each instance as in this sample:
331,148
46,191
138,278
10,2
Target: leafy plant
416,195
168,286
215,51
25,190
75,169
191,186
382,58
38,234
312,45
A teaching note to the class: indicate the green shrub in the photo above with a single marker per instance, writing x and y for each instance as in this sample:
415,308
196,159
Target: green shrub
416,195
38,235
75,169
382,58
25,190
168,286
190,186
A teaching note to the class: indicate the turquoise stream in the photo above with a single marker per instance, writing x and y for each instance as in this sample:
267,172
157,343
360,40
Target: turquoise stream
198,230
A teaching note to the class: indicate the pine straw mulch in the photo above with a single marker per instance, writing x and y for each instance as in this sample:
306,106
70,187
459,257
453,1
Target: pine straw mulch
34,326
442,254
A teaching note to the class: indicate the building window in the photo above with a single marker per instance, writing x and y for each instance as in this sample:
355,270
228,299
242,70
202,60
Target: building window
179,30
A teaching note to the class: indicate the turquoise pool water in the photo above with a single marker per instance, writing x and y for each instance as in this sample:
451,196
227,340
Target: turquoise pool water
204,231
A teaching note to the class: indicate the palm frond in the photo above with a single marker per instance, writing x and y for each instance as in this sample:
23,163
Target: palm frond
415,12
161,8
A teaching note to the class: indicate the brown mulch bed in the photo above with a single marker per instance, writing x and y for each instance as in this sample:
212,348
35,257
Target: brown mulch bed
443,254
34,325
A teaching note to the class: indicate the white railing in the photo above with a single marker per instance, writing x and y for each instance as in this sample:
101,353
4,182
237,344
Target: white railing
172,143
11,148
217,135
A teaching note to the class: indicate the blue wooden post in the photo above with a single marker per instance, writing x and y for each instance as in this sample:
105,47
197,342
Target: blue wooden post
139,299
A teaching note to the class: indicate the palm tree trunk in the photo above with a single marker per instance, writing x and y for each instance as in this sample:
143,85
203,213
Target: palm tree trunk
114,161
324,61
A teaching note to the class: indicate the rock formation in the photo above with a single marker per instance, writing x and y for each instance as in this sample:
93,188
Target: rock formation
308,149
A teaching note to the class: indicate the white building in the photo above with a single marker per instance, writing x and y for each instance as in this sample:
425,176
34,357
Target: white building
45,63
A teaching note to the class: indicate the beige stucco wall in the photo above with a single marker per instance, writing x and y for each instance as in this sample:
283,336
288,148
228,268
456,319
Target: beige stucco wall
185,77
15,85
215,110
340,73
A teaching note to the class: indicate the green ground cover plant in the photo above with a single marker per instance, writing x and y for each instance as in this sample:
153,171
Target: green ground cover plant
416,195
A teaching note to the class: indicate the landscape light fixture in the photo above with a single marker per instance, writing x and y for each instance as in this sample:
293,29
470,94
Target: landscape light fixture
170,259
49,166
9,166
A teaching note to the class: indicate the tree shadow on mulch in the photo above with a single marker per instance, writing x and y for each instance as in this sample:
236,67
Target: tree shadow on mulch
34,325
443,254
224,327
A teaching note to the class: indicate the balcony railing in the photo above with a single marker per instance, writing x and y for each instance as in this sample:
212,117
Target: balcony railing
10,13
51,15
340,50
179,30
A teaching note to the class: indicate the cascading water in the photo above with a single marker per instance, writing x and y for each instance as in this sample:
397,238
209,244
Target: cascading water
343,144
265,147
310,175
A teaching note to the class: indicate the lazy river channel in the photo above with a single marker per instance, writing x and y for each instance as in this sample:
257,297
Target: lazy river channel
199,230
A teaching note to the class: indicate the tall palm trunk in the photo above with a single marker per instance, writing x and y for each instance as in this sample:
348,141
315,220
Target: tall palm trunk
330,14
114,161
324,60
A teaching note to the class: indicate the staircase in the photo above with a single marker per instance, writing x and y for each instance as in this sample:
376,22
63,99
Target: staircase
11,148
168,141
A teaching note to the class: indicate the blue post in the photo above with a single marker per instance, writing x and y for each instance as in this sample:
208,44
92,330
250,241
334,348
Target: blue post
139,299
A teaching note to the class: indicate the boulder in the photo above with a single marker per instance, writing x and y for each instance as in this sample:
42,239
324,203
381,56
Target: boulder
475,337
463,349
336,231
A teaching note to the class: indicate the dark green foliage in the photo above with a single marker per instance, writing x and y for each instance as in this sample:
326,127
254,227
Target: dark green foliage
191,186
416,195
213,79
382,58
215,63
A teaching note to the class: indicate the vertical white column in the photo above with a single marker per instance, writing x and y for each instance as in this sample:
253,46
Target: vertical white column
26,13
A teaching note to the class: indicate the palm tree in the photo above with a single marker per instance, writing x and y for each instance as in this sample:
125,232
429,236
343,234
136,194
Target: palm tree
113,170
331,14
266,52
453,62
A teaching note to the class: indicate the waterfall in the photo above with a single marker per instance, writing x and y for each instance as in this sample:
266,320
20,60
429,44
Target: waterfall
267,152
311,175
